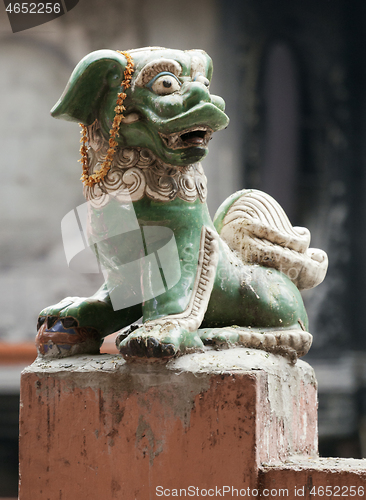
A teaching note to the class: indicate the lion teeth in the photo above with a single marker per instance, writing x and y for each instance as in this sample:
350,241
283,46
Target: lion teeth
175,141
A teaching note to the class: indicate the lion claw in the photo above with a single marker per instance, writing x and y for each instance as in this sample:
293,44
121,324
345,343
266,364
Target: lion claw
150,347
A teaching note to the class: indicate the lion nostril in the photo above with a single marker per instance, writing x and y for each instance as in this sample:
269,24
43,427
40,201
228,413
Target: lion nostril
218,102
195,93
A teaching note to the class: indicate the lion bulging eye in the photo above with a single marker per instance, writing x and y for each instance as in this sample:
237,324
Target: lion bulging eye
164,83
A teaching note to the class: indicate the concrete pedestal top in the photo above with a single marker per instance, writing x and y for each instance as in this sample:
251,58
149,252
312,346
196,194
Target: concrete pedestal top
96,427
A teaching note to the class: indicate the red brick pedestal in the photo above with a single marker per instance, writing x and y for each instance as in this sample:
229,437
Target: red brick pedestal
95,427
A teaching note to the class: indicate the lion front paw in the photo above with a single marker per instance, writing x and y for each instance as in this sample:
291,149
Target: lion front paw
62,337
161,341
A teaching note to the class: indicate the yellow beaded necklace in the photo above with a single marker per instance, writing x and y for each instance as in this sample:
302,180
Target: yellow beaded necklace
90,180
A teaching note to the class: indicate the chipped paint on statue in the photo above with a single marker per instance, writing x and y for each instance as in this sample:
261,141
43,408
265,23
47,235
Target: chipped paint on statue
239,276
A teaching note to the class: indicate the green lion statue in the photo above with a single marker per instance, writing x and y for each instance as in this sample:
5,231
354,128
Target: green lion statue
147,116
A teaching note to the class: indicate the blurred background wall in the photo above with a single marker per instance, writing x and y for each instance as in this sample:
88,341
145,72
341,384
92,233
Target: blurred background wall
293,77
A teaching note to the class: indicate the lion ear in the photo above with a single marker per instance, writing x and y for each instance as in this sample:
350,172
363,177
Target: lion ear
93,77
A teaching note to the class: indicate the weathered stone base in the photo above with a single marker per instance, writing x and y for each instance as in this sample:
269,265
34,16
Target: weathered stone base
314,478
95,427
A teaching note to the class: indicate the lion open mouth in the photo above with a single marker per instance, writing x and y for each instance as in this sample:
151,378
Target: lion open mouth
197,136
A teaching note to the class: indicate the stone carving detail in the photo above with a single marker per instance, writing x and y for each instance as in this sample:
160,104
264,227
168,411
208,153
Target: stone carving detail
137,172
258,229
192,317
206,282
293,343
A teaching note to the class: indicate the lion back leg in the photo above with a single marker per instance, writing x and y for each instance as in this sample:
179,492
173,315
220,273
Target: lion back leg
264,261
